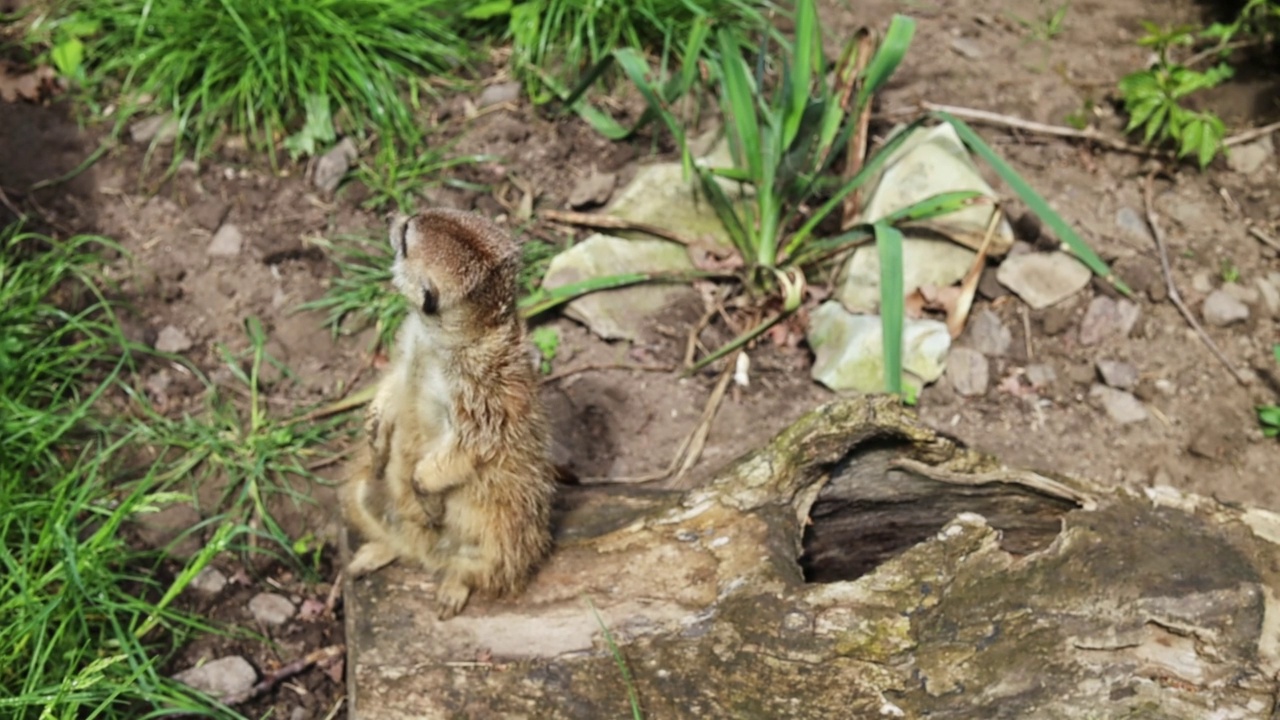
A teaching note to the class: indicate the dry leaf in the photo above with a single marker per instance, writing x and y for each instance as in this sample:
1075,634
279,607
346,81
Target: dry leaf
18,84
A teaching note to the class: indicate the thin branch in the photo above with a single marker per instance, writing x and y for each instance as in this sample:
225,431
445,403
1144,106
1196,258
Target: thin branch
1264,238
1148,197
1055,130
608,222
1247,135
323,655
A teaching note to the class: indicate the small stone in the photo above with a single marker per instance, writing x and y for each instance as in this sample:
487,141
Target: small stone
173,339
1122,407
1201,282
593,190
226,242
210,581
1147,389
1131,224
1221,309
271,609
966,47
1057,319
221,678
988,335
1243,293
333,166
1270,296
849,349
160,128
500,93
1043,279
1118,374
1249,157
989,287
209,213
1041,375
968,371
167,530
1107,318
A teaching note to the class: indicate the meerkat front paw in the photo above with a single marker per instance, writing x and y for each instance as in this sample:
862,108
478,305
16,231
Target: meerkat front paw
371,556
452,596
432,507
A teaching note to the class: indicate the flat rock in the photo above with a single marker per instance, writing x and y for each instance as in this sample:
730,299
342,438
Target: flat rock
224,677
162,129
987,334
1107,318
226,242
1220,309
593,190
925,261
173,339
931,161
333,166
624,313
849,350
1269,295
1041,375
1044,279
210,581
1122,407
968,371
1243,293
1132,224
499,93
1118,374
271,609
1248,158
660,195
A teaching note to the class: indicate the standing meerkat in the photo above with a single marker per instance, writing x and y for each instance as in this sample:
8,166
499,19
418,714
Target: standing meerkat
456,475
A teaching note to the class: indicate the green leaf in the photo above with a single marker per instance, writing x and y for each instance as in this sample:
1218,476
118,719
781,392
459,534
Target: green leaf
77,26
1157,121
68,56
488,10
808,46
742,121
1036,203
892,312
1141,112
893,48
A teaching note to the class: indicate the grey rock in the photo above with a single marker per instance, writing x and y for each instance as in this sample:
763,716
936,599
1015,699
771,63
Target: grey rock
1122,407
1107,318
625,313
988,335
989,287
1270,296
660,195
271,609
209,581
1041,375
968,371
1243,293
167,529
173,339
500,93
1043,279
925,261
1221,309
593,190
226,242
333,166
1118,374
1130,223
1201,282
1057,319
967,47
221,678
209,213
162,129
849,349
1250,157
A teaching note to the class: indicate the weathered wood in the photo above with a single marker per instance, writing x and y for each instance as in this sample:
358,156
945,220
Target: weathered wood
861,565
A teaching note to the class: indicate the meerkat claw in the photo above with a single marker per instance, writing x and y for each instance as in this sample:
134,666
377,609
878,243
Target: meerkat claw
452,598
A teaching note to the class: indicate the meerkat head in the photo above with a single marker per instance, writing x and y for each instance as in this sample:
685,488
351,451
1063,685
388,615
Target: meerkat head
454,265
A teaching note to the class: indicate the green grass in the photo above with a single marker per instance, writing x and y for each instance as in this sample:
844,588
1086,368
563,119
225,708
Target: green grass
87,620
1269,415
262,68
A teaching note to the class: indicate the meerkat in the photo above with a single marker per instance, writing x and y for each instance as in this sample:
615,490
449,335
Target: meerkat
456,474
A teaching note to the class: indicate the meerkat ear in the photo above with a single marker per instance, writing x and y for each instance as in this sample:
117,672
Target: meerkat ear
399,235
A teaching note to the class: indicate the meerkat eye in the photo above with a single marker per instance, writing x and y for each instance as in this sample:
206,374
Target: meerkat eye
430,302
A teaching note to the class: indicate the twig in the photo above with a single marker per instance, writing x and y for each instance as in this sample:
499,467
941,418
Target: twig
969,285
608,222
335,592
856,154
1026,478
323,655
562,374
693,446
4,198
1247,135
1043,129
1148,196
1207,53
1264,238
1026,332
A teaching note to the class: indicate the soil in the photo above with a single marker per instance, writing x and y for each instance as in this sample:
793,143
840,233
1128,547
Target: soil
1202,435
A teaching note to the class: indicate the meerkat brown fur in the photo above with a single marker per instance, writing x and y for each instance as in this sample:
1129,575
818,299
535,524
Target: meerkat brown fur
456,474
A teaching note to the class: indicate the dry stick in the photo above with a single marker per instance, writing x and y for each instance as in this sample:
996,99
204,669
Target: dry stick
335,592
284,673
562,374
1264,238
608,222
1148,196
1043,129
969,285
856,154
1247,135
697,440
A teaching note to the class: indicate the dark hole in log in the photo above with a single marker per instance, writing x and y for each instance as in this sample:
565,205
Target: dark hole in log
869,513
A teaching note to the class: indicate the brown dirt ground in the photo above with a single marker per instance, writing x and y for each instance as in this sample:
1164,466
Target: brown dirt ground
1203,437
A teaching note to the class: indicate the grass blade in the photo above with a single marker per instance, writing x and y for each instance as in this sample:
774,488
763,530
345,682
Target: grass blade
1036,202
897,39
807,48
543,299
743,124
892,312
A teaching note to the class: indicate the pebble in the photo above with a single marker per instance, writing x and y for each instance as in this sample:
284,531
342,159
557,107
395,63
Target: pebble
1118,374
1057,319
1120,406
989,287
1106,318
224,677
1248,158
1133,225
1041,375
271,609
210,581
1043,279
988,335
1269,295
226,242
333,165
967,47
1202,283
160,128
173,339
1243,293
1220,309
968,371
593,190
499,93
